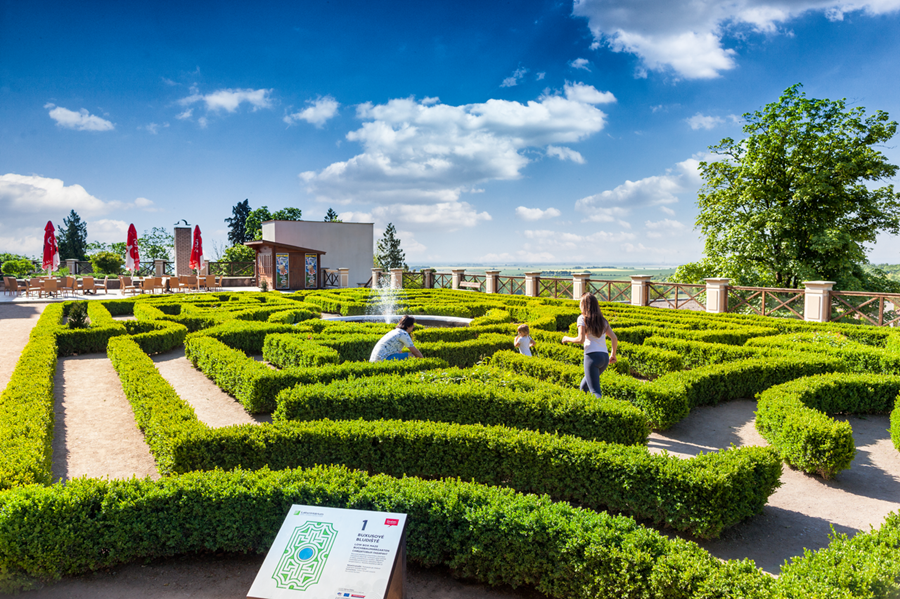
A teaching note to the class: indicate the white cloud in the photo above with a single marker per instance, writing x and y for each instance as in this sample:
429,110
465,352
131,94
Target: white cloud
411,246
320,110
702,121
566,242
665,224
154,127
446,216
536,213
430,153
579,92
580,63
565,154
687,37
107,230
227,100
79,121
514,79
667,210
540,76
655,191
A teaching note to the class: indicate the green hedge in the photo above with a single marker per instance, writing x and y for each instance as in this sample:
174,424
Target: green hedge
290,350
92,339
793,417
856,356
155,336
165,419
468,397
702,495
643,361
26,408
256,386
466,353
248,337
292,316
695,354
493,535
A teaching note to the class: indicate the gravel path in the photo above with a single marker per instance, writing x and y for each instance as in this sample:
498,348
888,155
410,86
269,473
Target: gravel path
213,406
95,433
799,514
16,322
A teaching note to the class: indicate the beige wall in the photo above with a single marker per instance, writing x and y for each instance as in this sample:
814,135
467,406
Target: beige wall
346,245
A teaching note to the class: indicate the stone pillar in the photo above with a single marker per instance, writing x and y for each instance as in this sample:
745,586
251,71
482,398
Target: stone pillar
396,278
532,283
376,277
159,266
428,282
456,275
204,268
717,295
579,284
344,274
183,245
817,301
72,265
640,290
491,281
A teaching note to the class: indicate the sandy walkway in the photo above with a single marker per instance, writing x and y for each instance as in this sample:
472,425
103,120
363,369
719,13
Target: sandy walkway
95,432
16,322
213,406
800,513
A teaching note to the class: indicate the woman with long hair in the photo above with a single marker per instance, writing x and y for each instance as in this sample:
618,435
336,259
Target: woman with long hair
593,329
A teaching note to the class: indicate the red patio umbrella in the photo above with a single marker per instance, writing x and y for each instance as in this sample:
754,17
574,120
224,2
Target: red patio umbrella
132,256
196,249
51,252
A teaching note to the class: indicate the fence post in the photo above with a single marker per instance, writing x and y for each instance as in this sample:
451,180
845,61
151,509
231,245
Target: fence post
428,278
532,283
396,278
456,275
72,266
579,284
376,276
491,281
717,295
817,301
159,266
344,277
640,290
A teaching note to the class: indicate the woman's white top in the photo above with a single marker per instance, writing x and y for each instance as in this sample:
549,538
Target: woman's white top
592,344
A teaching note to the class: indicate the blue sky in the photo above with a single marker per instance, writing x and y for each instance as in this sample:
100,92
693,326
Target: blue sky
486,132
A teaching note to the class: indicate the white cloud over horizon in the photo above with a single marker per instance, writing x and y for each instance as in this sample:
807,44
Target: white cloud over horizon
702,121
536,213
428,153
317,113
687,38
78,121
228,100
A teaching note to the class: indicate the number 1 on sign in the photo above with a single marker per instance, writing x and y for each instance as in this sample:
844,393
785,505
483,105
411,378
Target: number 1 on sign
364,524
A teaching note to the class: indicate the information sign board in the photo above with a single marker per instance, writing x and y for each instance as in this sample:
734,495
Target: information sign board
312,271
282,271
329,553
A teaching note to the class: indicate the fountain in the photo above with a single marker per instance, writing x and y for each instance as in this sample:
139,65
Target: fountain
385,305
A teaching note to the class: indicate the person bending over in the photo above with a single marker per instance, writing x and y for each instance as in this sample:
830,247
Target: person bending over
390,347
593,329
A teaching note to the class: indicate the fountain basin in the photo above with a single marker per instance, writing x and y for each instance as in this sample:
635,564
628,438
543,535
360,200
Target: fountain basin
426,320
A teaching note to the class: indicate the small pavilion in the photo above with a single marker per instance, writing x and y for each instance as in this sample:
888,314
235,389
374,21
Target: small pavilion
287,267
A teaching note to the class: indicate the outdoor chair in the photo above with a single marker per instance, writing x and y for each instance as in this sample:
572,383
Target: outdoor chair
12,286
67,284
210,282
190,282
87,285
126,286
158,284
148,285
175,284
50,287
34,286
104,286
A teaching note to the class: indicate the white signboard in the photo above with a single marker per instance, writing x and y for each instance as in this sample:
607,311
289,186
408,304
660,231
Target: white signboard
328,553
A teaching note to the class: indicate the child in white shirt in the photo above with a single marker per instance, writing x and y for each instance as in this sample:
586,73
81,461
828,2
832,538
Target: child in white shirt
523,341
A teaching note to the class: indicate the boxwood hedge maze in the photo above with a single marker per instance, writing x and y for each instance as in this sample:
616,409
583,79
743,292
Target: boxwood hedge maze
509,474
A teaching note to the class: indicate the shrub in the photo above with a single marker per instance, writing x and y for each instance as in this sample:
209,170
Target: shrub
107,263
287,350
78,317
18,268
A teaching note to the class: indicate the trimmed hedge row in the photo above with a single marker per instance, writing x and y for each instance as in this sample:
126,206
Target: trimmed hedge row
793,417
155,336
292,316
165,419
92,339
246,336
26,408
857,356
464,397
644,361
256,386
702,495
466,353
290,350
695,354
493,535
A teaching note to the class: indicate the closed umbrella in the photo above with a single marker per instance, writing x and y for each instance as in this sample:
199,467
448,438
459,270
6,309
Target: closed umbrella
132,256
196,249
51,252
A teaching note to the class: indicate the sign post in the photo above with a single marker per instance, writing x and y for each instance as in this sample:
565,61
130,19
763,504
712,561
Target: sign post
330,553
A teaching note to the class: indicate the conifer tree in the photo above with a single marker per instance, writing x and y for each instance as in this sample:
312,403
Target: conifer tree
237,224
332,217
389,255
72,238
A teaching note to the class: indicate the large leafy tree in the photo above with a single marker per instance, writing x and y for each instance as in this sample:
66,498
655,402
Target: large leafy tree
389,255
72,238
237,224
257,217
157,243
796,200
